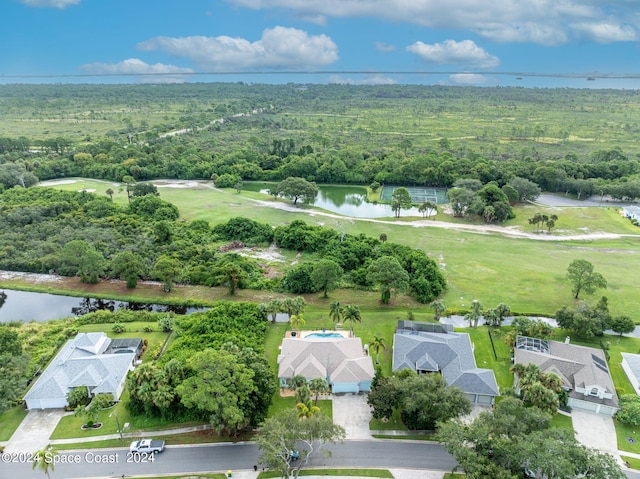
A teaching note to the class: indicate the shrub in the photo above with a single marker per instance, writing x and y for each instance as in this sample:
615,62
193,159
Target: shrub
118,328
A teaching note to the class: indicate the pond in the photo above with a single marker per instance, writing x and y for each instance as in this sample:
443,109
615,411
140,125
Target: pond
28,306
344,200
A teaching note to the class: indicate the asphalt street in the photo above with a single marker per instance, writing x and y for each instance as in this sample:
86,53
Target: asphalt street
223,457
114,463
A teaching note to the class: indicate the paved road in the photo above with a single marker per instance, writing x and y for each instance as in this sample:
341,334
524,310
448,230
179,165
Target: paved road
222,457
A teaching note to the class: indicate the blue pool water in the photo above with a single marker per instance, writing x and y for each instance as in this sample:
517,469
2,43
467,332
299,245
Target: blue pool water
324,335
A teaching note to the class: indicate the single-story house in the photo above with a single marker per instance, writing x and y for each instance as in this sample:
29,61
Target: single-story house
583,370
90,360
430,347
631,212
631,365
340,360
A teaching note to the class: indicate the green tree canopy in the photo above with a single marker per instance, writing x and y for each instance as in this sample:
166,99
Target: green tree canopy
499,443
583,277
298,188
387,273
220,386
168,270
285,432
400,200
129,267
81,258
326,275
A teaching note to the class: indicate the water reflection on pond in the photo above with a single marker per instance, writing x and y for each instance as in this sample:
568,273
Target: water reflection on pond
344,200
28,306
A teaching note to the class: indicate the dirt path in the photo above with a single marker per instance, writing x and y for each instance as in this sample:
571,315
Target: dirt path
508,231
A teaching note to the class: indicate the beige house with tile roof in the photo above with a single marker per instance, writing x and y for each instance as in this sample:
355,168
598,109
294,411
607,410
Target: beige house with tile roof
342,361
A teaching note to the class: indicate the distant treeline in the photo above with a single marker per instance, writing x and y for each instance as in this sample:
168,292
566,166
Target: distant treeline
564,140
607,171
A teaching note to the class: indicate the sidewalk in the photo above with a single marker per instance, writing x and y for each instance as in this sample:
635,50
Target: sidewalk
134,434
397,474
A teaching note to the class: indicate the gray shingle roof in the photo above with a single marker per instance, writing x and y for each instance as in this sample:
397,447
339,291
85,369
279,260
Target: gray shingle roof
448,352
578,366
81,362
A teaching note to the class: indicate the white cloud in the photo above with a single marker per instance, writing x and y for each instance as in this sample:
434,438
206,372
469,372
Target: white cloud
547,22
470,79
385,47
279,47
50,3
156,73
605,32
465,53
368,80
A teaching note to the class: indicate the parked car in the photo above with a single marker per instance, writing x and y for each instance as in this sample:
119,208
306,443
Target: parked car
147,445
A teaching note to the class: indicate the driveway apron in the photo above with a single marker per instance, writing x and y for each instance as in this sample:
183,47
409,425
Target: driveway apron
352,412
35,430
595,430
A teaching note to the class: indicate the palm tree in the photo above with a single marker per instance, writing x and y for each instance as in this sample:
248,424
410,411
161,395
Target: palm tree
296,321
376,344
110,192
318,386
438,309
44,460
473,316
502,310
298,305
288,306
336,311
273,308
306,410
352,314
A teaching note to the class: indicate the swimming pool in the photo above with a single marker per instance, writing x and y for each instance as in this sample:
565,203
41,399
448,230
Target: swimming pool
324,335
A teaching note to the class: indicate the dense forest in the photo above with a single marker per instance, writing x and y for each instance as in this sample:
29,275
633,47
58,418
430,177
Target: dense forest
579,142
44,230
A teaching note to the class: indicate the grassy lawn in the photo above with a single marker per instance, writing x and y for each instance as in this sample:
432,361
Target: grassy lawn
394,423
10,420
561,421
487,267
415,437
632,462
382,473
196,437
70,426
624,431
219,475
485,358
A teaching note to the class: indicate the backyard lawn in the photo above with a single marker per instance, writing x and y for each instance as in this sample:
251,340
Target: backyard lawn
484,353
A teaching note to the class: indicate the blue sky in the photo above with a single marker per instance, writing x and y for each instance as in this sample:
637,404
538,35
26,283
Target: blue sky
474,42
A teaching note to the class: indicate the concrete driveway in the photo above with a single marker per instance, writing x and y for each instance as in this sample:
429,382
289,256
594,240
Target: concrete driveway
595,430
35,430
352,412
